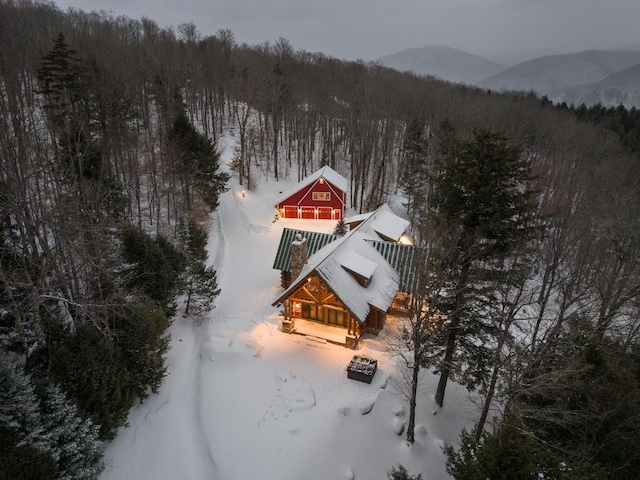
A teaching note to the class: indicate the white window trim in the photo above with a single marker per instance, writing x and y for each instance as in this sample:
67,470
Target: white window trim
327,196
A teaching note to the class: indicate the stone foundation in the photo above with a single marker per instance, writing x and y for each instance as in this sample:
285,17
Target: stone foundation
351,342
288,326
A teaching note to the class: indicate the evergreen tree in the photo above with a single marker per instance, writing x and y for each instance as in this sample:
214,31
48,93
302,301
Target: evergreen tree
199,161
46,432
19,409
72,441
142,344
201,288
400,473
415,173
483,209
20,461
199,282
340,228
61,81
105,377
156,267
86,366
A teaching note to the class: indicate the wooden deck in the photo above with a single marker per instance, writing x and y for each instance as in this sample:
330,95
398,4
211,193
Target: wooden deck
336,335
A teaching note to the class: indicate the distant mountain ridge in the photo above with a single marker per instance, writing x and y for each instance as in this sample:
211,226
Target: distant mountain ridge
589,77
620,88
555,72
443,62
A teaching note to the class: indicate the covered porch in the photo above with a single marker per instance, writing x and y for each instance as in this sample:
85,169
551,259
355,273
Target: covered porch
329,320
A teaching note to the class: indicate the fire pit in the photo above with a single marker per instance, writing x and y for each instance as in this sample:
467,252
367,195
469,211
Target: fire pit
362,368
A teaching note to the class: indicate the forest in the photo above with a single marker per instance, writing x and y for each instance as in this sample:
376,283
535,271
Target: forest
530,213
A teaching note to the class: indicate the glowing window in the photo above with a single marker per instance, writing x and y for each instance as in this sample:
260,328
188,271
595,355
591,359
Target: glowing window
323,196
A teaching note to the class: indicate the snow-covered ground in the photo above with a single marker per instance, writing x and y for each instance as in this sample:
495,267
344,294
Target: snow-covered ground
244,401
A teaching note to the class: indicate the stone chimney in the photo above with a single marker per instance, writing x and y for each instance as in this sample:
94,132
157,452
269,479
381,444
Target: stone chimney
299,255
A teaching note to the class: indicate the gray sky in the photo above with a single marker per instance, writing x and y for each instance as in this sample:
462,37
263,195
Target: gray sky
369,29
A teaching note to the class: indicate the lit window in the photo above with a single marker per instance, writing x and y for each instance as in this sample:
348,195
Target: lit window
325,196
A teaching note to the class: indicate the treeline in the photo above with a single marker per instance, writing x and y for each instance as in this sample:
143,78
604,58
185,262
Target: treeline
625,123
106,160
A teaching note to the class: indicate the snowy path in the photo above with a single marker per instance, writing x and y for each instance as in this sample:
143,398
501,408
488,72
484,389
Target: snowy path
244,401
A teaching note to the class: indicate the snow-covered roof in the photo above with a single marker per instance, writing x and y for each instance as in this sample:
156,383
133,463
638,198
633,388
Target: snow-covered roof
383,224
326,172
352,250
359,265
357,219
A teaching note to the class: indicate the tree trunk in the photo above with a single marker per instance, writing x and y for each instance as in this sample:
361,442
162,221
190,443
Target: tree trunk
445,371
412,403
492,388
452,334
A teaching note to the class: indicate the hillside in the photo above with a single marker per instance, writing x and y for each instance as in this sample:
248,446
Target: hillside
554,73
620,88
443,62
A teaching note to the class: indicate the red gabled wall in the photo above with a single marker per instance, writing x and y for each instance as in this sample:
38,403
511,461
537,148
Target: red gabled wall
304,198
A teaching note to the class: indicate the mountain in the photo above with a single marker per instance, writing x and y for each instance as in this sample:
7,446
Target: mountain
561,72
513,57
443,62
620,88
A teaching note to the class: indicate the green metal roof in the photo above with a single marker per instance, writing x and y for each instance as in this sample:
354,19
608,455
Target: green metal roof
401,258
315,241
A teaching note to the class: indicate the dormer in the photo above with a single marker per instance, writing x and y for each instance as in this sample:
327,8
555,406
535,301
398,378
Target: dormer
361,268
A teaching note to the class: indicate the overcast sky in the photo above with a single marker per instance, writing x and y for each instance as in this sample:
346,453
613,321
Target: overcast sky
370,29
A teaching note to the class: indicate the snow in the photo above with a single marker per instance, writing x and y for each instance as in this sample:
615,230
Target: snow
380,224
357,218
326,172
243,400
358,264
386,224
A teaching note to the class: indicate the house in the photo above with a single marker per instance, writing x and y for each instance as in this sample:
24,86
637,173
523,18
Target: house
321,196
347,283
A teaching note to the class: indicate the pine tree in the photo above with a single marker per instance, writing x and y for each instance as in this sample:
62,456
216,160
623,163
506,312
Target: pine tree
155,267
482,205
105,377
201,288
61,76
87,367
27,462
72,441
413,179
63,82
19,408
340,228
400,473
199,282
48,431
199,161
